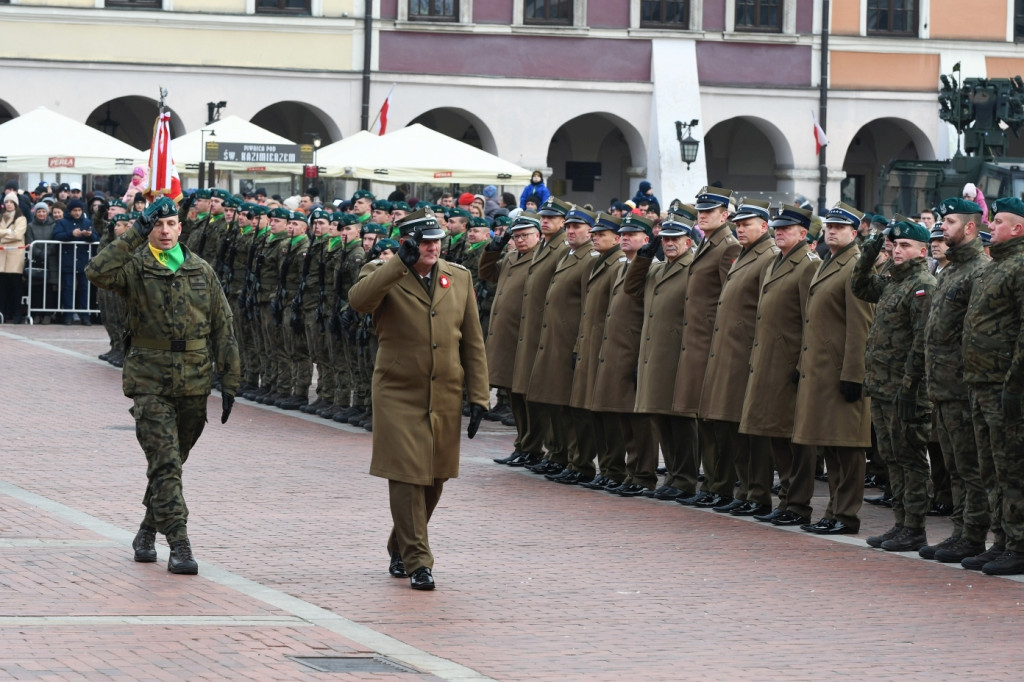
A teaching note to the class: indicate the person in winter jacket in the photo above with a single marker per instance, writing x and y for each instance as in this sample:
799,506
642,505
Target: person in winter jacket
77,230
537,187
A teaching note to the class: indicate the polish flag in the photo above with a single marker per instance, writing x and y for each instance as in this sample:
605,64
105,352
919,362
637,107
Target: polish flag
380,126
820,140
163,174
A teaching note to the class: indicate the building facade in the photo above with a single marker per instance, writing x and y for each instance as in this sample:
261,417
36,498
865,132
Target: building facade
587,90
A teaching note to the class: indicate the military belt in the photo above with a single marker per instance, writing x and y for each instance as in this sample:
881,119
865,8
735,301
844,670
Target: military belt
176,345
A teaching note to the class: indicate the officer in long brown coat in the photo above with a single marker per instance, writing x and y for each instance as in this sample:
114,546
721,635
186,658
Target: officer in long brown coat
662,286
831,410
424,312
551,375
770,398
604,433
725,380
708,272
509,270
545,259
613,394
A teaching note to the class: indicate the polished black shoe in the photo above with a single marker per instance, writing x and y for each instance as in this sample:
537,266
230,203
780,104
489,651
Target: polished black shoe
105,356
1010,563
661,471
599,482
978,561
729,508
790,518
692,500
397,567
928,551
955,554
181,560
525,459
941,509
715,500
751,509
654,491
574,478
507,460
630,490
822,523
877,540
540,467
668,492
908,540
837,528
561,473
421,579
770,516
776,489
550,468
144,545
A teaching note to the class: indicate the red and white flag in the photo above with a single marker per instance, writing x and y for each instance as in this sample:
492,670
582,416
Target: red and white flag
820,140
380,125
163,174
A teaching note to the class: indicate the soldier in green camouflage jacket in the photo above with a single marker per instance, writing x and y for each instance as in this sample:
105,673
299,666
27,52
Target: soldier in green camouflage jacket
993,347
894,376
175,307
944,363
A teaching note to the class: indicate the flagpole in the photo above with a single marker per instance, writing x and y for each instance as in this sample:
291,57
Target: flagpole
377,117
823,108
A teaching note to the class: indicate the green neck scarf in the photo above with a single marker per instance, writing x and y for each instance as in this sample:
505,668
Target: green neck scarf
171,258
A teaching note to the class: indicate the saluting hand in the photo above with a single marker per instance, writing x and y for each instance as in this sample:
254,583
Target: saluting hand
650,249
409,251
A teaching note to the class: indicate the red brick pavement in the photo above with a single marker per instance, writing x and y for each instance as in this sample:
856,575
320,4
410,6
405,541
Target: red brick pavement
536,580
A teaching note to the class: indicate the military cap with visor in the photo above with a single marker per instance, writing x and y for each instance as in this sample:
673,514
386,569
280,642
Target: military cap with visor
553,206
423,220
935,234
713,197
525,221
791,215
752,208
607,221
844,214
581,215
684,211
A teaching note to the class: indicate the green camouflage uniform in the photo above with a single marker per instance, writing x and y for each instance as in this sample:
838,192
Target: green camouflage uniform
249,301
484,289
944,362
299,369
111,305
238,241
352,371
894,367
340,381
169,386
268,265
311,301
993,353
197,233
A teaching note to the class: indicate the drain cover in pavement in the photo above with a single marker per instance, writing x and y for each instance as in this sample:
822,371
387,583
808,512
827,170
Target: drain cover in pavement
354,664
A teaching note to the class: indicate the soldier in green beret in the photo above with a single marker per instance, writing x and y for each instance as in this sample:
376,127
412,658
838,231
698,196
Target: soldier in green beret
994,371
362,205
256,363
894,376
268,272
370,234
380,212
196,225
299,372
167,371
478,236
453,249
347,256
399,209
110,304
310,302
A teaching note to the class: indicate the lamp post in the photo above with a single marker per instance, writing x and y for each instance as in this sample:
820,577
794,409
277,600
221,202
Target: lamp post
312,172
203,132
688,146
108,125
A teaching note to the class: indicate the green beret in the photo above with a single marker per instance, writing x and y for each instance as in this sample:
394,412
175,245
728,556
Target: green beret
162,208
401,206
373,228
259,209
126,217
118,202
502,220
905,229
318,213
458,213
381,205
1010,205
957,205
218,193
246,207
279,213
878,219
299,216
232,202
385,244
479,222
362,194
203,194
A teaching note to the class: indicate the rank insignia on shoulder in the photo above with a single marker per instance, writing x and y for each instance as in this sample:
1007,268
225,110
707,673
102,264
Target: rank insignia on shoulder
594,254
458,265
623,259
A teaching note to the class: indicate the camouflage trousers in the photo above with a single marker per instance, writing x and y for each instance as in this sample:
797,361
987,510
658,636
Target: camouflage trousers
316,342
1001,463
904,448
298,368
954,430
167,429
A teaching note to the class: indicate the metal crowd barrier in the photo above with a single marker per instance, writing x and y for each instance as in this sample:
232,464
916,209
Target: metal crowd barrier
39,297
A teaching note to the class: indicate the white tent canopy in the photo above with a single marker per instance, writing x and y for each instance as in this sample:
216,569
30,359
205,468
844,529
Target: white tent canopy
43,141
416,154
188,148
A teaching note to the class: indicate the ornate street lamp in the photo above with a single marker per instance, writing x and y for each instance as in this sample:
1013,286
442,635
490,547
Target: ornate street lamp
688,146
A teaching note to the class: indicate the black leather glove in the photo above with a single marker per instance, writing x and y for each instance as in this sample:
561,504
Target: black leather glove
872,247
649,249
186,204
906,404
1011,406
851,391
476,414
409,251
228,402
499,243
144,225
796,376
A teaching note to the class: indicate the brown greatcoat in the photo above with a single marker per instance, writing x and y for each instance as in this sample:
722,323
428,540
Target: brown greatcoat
551,379
542,267
12,235
663,289
770,398
834,337
509,271
708,272
614,387
430,345
725,379
596,298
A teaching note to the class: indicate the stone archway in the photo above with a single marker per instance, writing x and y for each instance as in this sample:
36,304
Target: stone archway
745,154
876,145
298,121
459,124
7,112
592,158
130,119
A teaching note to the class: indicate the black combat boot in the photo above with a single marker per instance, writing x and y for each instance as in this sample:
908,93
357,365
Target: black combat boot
181,560
144,545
